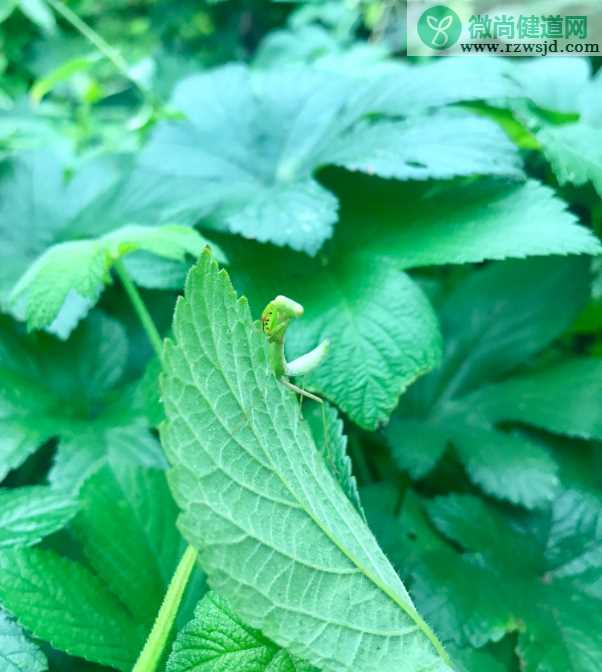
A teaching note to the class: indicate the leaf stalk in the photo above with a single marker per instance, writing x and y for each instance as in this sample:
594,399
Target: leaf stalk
151,654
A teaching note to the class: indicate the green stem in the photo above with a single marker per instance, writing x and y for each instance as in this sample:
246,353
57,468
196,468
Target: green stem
141,310
94,38
151,654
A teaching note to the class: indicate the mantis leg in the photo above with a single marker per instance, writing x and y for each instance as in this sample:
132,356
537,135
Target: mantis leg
300,390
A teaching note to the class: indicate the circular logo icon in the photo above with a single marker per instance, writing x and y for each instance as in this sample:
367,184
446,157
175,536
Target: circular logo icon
439,27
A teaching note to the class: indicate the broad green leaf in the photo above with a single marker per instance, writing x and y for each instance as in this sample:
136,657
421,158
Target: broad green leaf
545,562
17,654
77,271
253,141
575,153
99,198
439,146
251,476
382,330
62,602
495,320
74,391
327,431
438,224
29,514
216,640
127,531
563,398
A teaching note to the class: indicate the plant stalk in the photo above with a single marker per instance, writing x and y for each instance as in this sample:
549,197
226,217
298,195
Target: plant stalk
151,654
141,310
95,39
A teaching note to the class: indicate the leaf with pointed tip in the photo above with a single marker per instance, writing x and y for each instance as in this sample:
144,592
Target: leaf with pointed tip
79,270
562,398
29,514
216,640
276,536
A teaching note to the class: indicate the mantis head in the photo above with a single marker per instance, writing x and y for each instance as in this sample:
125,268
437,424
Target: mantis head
276,316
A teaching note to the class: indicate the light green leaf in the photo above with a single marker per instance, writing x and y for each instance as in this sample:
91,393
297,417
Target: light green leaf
327,431
17,654
65,604
127,531
495,320
575,153
382,330
72,214
303,590
29,514
79,270
216,640
439,146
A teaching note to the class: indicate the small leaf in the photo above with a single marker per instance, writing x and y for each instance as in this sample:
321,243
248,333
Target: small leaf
29,514
216,640
17,654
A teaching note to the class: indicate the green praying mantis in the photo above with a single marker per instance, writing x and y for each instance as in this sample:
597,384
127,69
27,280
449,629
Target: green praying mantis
275,320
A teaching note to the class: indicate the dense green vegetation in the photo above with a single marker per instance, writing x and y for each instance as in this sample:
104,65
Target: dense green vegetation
174,504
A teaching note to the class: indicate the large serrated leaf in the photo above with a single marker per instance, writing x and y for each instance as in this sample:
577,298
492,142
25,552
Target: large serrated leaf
494,321
65,604
277,537
252,142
